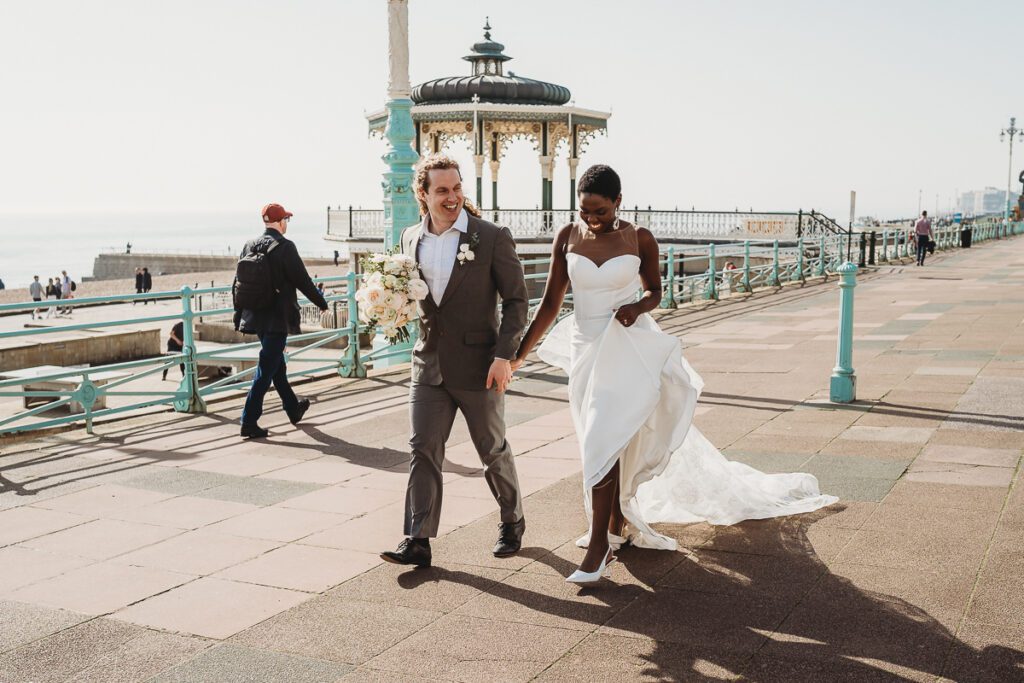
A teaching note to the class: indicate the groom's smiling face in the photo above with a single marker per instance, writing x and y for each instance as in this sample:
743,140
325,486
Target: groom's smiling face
443,195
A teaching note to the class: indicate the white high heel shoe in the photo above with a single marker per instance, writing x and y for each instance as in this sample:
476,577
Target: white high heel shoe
614,542
585,578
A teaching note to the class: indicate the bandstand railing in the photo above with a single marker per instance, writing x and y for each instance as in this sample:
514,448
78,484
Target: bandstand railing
368,224
689,273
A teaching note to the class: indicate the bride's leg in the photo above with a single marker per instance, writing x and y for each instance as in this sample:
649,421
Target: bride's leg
602,499
617,521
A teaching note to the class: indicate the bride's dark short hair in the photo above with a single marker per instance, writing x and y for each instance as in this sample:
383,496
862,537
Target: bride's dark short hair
602,180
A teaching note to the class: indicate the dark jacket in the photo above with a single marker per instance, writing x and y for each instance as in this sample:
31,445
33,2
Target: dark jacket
147,280
461,335
138,282
288,274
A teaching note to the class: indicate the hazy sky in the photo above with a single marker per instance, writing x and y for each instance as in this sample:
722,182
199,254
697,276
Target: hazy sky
228,104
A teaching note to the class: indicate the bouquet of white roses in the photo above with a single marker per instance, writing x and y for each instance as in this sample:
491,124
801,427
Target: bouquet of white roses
391,287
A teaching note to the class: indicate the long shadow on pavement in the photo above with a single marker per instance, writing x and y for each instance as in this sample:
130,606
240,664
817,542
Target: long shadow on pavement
758,602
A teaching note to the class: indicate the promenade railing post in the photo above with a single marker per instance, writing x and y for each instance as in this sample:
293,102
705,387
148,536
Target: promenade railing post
668,298
862,259
193,402
873,237
746,266
799,274
885,246
775,265
712,289
843,385
351,364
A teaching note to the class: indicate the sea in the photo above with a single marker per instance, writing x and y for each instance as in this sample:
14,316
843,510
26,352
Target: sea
45,244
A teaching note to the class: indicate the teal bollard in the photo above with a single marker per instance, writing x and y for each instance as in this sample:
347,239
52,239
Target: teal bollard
668,299
843,386
711,292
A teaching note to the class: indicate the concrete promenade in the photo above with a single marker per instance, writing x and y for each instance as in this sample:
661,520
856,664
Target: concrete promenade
166,549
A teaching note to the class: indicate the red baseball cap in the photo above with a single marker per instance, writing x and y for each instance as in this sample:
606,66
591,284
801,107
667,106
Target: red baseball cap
272,213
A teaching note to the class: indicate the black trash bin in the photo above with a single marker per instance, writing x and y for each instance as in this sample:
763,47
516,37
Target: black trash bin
965,238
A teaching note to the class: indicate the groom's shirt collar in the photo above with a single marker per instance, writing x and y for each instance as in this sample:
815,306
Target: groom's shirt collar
461,224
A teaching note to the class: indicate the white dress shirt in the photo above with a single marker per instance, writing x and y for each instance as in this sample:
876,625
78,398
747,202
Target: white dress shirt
437,253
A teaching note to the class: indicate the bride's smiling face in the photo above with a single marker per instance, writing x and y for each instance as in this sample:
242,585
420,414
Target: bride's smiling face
597,211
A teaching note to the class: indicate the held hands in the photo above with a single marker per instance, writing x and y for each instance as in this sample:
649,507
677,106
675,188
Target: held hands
627,314
516,364
499,375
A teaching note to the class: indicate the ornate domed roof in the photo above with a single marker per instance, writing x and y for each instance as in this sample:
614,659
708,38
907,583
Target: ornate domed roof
488,82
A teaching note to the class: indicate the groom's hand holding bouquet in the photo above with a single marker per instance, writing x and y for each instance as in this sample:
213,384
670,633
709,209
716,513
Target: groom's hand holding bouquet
391,286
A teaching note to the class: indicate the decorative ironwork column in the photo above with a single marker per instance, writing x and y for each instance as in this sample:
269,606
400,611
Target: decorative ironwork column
843,386
400,206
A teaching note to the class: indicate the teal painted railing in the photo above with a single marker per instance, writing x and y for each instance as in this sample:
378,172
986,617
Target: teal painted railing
714,271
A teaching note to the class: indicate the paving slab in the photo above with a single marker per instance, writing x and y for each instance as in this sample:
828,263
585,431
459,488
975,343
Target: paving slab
229,663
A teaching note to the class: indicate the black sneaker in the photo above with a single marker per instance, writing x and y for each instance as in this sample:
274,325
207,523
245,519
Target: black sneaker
415,551
254,431
300,410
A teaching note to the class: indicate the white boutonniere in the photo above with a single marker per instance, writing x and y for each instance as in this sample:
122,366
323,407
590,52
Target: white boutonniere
465,254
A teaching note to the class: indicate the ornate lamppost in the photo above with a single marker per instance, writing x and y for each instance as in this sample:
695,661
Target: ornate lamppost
400,207
1011,132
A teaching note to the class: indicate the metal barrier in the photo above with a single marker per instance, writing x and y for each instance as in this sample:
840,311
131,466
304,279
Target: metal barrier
740,267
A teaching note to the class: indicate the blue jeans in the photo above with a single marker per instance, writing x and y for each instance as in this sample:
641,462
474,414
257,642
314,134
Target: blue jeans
271,368
922,248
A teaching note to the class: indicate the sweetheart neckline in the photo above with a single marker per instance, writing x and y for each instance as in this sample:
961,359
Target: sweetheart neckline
594,263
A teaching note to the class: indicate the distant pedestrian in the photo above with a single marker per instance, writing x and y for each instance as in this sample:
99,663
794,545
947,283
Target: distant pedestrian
128,248
52,292
147,283
336,255
923,236
175,343
138,283
35,290
268,273
2,285
66,287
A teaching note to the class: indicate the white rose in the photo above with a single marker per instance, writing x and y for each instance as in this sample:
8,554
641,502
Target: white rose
393,267
461,256
470,256
418,289
373,279
463,247
375,295
390,281
407,262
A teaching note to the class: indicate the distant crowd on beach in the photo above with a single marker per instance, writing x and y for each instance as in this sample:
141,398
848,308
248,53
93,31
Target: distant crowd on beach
61,287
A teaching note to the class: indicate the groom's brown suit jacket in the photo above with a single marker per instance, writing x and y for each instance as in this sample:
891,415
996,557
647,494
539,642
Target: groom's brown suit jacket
461,335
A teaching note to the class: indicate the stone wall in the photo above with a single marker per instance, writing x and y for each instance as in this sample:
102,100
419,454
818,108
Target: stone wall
120,266
109,347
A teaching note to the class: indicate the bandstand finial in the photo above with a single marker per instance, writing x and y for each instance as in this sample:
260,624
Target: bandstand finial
487,28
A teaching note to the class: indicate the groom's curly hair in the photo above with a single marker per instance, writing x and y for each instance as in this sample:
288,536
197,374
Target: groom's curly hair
436,162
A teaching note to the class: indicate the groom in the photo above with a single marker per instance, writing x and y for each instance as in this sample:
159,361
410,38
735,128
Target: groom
461,359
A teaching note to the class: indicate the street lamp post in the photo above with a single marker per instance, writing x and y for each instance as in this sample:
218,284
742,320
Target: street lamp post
1012,131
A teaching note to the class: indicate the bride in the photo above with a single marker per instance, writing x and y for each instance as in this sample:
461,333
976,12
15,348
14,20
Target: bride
632,394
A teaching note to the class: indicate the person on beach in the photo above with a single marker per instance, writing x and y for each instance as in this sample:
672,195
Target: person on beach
35,290
461,359
147,283
175,343
922,236
52,293
633,395
138,283
65,290
269,272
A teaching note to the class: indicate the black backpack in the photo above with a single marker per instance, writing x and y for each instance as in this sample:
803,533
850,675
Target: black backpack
254,280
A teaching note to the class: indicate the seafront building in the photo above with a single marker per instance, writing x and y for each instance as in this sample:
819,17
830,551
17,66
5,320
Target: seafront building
984,202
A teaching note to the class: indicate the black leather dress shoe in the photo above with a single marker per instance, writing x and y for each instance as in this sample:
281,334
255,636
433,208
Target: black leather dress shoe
510,538
254,431
414,551
299,411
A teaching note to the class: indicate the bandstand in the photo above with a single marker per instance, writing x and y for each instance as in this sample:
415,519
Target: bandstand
490,109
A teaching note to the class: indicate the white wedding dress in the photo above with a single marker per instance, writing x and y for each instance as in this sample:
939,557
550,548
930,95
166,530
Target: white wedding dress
633,396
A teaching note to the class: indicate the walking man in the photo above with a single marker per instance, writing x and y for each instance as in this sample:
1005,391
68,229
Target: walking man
65,289
461,359
147,283
269,271
922,235
35,290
